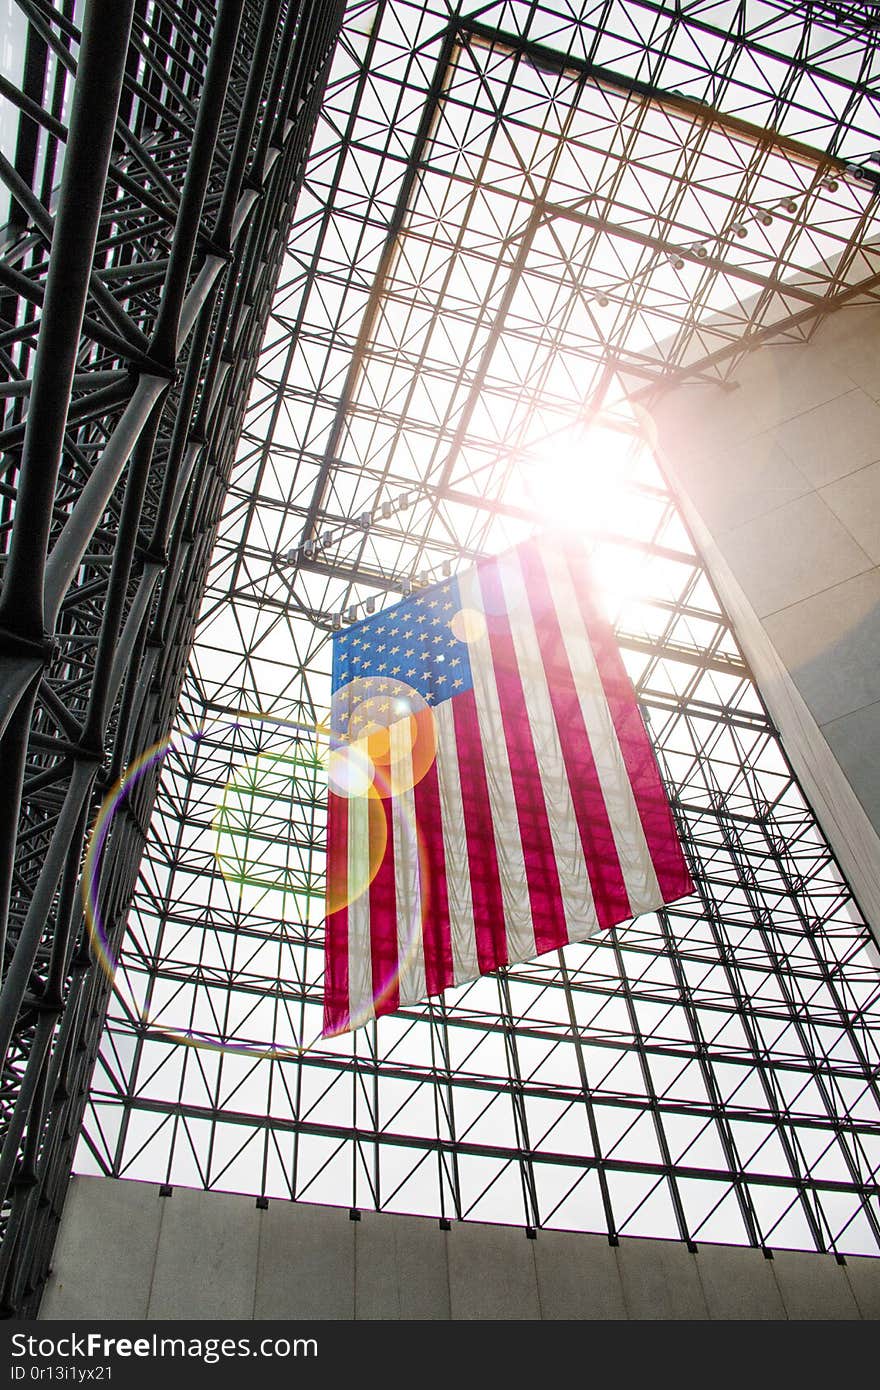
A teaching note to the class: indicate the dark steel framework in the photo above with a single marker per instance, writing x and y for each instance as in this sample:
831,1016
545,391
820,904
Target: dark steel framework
159,153
515,219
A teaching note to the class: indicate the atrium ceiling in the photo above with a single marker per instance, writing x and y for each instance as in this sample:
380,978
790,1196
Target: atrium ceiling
519,223
340,340
518,216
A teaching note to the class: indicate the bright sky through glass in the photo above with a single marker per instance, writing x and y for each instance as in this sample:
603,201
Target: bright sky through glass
459,360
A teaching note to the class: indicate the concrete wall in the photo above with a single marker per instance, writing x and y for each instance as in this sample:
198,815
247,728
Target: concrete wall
782,478
125,1252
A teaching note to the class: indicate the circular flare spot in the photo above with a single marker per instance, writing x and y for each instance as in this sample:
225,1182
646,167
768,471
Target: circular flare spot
468,625
252,774
378,744
349,877
350,770
389,726
403,753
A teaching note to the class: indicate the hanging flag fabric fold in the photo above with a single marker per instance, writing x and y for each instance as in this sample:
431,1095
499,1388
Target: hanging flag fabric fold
493,790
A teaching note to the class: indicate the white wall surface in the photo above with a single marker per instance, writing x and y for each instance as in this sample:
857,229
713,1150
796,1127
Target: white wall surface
125,1252
781,481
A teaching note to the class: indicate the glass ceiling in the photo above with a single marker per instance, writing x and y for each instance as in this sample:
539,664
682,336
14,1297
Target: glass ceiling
520,222
495,243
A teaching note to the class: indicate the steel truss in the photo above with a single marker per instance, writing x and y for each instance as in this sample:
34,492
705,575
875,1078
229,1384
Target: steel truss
516,217
159,155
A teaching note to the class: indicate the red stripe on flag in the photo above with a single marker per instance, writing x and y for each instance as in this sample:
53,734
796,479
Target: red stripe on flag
336,1005
545,897
588,800
488,904
672,873
436,935
383,916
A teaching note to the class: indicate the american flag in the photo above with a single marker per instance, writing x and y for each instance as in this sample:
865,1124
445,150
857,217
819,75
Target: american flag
493,790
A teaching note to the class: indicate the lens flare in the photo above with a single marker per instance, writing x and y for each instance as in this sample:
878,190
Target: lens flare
404,753
468,625
350,770
390,815
353,775
91,885
350,876
387,726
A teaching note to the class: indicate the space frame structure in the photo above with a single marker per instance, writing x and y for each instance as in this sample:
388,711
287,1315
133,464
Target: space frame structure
297,388
159,150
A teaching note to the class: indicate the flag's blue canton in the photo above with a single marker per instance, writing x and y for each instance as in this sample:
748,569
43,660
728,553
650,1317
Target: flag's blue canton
408,647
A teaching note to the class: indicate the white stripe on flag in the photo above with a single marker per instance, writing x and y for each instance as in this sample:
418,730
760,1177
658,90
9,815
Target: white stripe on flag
465,962
574,880
360,963
410,949
508,846
636,865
